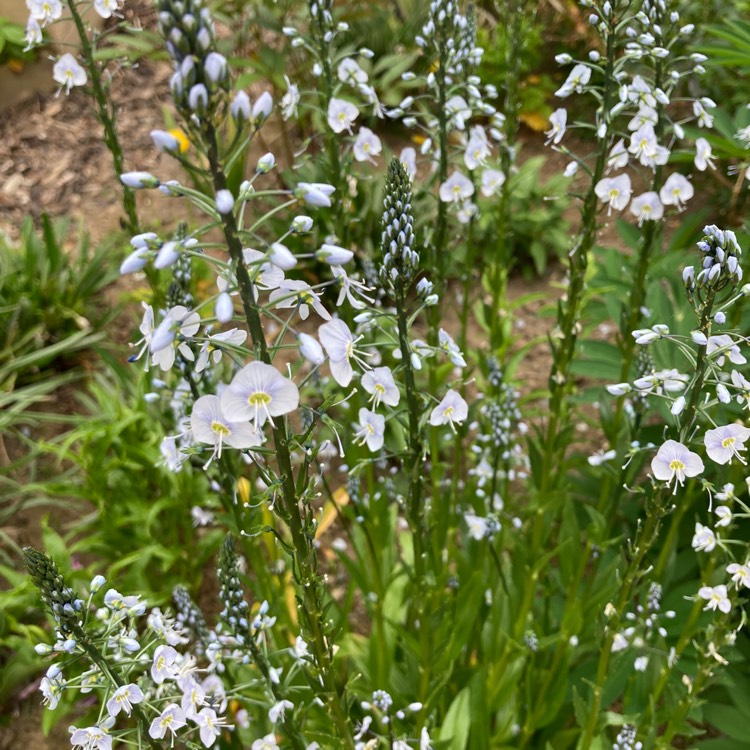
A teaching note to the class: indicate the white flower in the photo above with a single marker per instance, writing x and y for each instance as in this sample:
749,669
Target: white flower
705,120
278,710
339,342
704,539
341,115
51,687
703,155
290,100
647,207
34,33
90,738
640,664
449,346
408,158
210,725
724,443
723,345
210,425
164,666
105,8
123,699
601,456
366,146
716,598
615,191
456,188
458,111
740,574
643,144
576,80
200,516
477,526
492,181
348,287
619,643
618,157
673,461
45,11
676,190
179,320
193,697
259,392
213,348
371,430
350,72
381,386
68,73
451,410
477,149
292,294
724,512
171,719
558,120
266,743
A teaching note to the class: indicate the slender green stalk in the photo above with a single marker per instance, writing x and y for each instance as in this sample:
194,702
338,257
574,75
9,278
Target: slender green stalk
304,558
648,533
106,114
565,335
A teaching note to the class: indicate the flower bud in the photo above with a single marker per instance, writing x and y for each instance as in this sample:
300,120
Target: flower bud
266,163
224,201
261,109
198,99
224,309
282,257
302,224
334,255
138,180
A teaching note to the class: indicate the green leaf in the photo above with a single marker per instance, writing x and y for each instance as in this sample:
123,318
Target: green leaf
457,722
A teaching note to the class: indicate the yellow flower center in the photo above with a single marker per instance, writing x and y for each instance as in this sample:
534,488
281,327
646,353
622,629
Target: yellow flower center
676,465
728,442
220,429
259,398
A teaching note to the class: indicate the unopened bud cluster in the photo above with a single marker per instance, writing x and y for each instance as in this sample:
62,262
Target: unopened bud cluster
201,74
235,610
400,261
452,35
720,266
191,618
60,598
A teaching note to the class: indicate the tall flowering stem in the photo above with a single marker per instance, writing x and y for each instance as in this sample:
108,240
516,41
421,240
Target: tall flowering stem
297,518
565,333
106,114
322,29
199,86
720,271
400,263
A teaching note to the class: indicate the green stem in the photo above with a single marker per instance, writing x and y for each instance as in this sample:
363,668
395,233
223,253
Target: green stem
415,505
